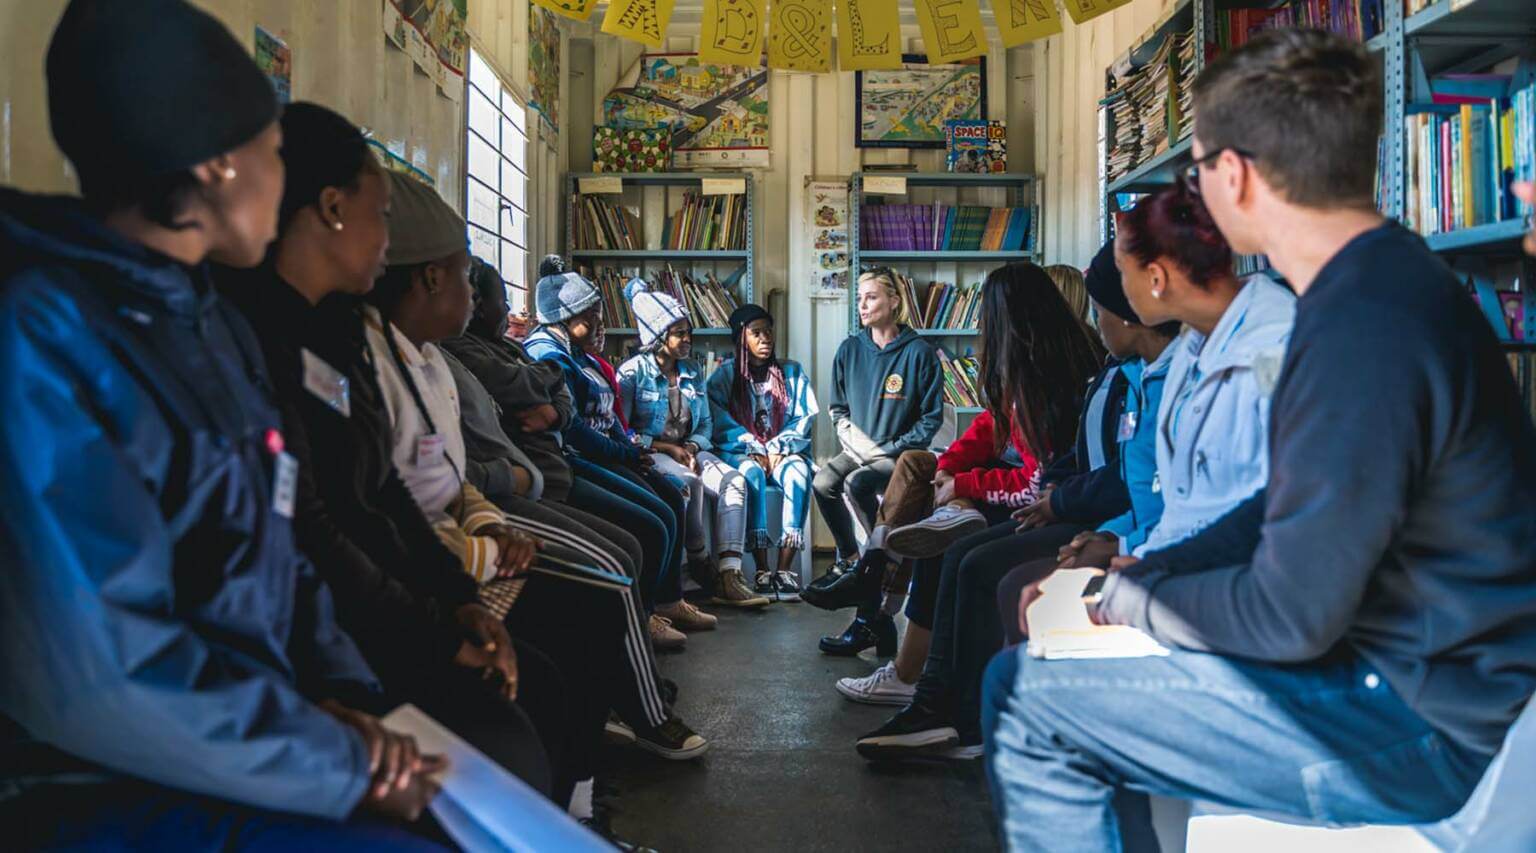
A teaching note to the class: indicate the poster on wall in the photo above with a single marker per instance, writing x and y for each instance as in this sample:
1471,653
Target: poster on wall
826,216
544,64
433,33
276,61
907,107
717,114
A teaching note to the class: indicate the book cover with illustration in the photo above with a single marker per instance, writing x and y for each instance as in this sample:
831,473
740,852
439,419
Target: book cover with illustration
976,145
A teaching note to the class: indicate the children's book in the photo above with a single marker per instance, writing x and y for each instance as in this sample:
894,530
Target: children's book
976,145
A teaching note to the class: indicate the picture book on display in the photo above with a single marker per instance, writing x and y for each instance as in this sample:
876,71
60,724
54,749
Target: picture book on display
976,146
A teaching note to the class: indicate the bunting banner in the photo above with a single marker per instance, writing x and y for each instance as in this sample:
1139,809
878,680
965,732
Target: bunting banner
1083,11
576,10
800,35
1021,21
644,21
733,33
869,35
952,29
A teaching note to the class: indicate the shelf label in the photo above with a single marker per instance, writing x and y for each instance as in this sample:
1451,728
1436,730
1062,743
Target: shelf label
885,185
599,186
725,186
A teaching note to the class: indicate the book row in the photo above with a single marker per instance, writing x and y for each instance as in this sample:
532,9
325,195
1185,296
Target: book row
942,228
940,304
1150,106
962,382
708,300
701,223
1465,150
1361,20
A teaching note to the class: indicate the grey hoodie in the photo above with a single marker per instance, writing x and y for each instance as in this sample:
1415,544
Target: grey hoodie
886,400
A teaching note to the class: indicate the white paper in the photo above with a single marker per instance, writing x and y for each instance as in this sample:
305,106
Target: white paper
723,186
885,185
1059,627
482,806
597,186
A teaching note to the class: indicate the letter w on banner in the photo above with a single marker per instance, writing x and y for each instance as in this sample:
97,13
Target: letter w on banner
868,35
1083,11
576,10
1020,21
800,35
733,33
644,21
951,30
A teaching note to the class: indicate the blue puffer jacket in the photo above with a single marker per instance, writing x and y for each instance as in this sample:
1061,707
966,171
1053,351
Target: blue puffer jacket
1137,437
156,619
643,399
601,446
733,437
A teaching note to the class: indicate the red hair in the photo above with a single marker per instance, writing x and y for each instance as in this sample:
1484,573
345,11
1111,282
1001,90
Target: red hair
1173,223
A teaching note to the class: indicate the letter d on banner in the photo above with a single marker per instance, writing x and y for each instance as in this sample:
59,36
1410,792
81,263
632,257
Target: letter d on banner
733,33
1083,11
800,35
868,35
644,21
951,30
1021,21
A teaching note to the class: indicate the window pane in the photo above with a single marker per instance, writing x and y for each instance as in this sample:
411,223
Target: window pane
514,185
483,206
514,226
483,162
480,74
517,299
514,146
483,245
513,264
514,110
483,118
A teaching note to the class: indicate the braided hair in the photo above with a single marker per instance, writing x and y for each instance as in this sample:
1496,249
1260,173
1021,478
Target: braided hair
741,392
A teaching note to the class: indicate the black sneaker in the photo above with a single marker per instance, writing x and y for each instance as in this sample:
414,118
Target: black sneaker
788,585
672,740
763,583
915,732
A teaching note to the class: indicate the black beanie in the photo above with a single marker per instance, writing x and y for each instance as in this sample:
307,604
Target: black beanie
138,90
743,317
1103,281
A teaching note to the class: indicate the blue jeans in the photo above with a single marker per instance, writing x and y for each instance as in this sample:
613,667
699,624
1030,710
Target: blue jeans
1074,747
623,498
794,479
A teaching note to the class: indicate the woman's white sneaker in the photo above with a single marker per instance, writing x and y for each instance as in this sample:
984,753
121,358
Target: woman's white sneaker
882,687
934,534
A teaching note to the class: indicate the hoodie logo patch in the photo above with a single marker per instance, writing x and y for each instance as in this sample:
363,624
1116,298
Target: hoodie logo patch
893,385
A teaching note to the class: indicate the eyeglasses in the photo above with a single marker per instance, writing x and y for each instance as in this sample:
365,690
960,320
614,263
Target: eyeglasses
1191,174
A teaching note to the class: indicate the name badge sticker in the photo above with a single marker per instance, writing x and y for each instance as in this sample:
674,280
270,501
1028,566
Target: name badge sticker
285,483
327,384
430,450
1127,426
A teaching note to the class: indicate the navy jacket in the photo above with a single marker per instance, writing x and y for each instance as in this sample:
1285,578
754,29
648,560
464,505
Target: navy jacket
1089,487
606,448
156,619
1400,515
886,400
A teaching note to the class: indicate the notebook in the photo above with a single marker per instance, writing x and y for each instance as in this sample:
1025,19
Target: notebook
484,808
1059,627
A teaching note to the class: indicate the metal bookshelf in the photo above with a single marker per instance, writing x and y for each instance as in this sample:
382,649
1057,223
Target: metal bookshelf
643,260
1022,191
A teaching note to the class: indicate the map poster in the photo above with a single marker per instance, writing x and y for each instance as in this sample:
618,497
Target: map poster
717,115
544,64
906,107
826,218
433,33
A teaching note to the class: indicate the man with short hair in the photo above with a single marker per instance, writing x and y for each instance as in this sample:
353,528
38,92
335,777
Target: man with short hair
1363,663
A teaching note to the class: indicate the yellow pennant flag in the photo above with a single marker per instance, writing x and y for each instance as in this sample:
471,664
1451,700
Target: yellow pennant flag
951,30
1086,10
576,10
644,21
1020,21
800,35
868,35
733,33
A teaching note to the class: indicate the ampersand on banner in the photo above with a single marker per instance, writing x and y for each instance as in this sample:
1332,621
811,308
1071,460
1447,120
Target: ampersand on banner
733,33
952,30
800,36
868,35
1021,21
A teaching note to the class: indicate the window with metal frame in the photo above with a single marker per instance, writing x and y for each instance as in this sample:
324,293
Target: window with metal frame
496,171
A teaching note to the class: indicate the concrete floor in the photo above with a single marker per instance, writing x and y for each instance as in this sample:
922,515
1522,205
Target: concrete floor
781,773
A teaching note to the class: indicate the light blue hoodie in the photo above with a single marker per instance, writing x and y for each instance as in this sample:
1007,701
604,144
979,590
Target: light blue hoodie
1213,422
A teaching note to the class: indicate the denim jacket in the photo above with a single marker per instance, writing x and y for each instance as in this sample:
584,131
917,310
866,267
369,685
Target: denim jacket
643,396
734,438
1136,434
1213,422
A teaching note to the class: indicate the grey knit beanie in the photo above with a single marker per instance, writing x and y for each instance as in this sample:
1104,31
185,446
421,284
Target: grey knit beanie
655,313
561,296
422,227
